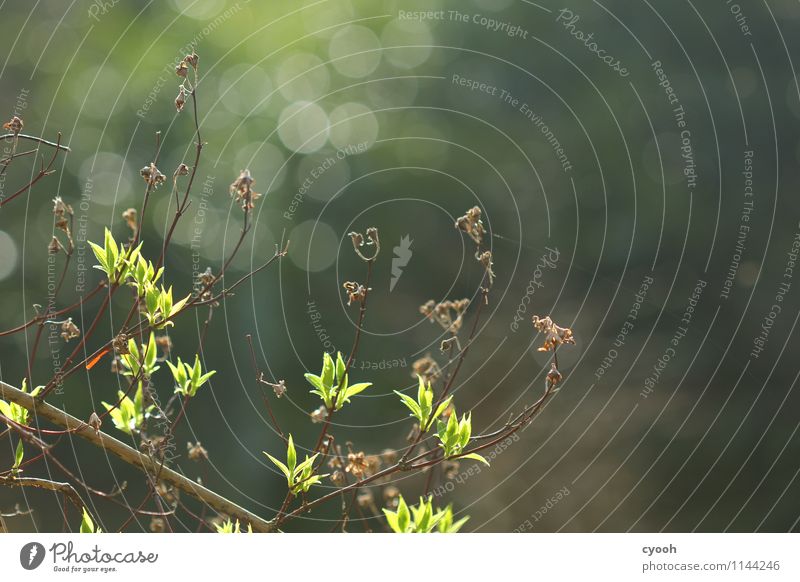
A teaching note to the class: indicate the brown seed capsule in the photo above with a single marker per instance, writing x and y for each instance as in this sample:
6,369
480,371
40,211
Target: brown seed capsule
553,376
95,422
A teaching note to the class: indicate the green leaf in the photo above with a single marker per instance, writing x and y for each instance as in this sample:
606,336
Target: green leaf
284,469
441,408
315,381
403,515
179,305
100,255
327,370
355,389
150,352
409,402
87,525
291,455
18,455
340,367
476,457
391,519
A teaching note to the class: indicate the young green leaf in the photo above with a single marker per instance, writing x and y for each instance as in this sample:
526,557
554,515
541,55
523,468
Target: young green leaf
87,525
18,456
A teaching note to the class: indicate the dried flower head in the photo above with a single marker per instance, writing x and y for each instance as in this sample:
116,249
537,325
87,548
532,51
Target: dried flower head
390,456
242,189
130,218
554,335
196,452
449,343
391,496
95,422
318,415
181,69
338,479
167,492
357,464
413,434
152,176
365,499
165,343
373,464
14,125
450,469
336,461
279,387
192,60
181,170
120,344
471,224
63,214
54,246
69,330
372,240
426,367
448,314
157,525
180,100
485,259
60,208
356,292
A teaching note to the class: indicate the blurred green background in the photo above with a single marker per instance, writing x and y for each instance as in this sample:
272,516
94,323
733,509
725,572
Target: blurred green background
352,114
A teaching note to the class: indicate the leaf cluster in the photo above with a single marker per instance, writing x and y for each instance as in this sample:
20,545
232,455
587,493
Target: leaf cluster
299,478
422,518
332,385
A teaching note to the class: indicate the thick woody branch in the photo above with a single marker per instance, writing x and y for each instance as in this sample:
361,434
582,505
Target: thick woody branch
133,457
64,488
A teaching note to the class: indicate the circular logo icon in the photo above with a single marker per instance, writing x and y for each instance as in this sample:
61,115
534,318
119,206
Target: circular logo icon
31,555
